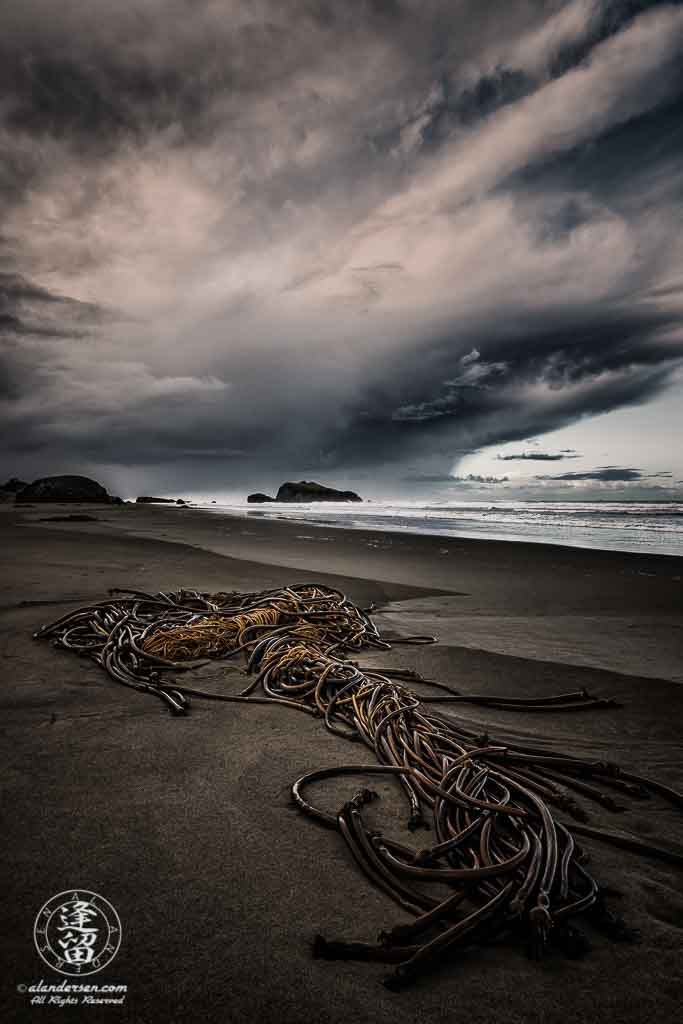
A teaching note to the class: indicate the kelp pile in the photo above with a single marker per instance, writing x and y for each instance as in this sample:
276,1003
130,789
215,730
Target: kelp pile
499,862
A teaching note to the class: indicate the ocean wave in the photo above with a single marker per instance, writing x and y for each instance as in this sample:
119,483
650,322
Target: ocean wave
622,526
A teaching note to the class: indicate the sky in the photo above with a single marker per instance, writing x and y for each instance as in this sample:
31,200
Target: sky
419,248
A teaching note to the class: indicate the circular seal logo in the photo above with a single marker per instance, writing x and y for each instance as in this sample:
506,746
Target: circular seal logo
77,932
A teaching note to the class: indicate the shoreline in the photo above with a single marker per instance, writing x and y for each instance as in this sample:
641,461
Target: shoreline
186,825
607,609
586,537
147,524
589,536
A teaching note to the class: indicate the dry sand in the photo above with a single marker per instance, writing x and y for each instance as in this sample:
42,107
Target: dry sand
186,825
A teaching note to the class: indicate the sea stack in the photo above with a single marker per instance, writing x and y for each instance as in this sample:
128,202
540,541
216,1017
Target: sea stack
308,490
58,489
146,499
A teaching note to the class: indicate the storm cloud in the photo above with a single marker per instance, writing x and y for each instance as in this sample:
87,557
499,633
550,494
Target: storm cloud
538,457
477,478
611,474
242,242
607,473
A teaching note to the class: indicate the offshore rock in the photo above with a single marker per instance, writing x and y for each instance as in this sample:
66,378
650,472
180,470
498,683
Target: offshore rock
307,490
13,485
66,488
147,500
254,499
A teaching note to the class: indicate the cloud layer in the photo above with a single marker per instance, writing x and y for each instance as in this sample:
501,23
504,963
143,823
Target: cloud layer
242,242
538,457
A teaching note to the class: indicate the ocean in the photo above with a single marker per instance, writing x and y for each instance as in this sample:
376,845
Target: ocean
645,527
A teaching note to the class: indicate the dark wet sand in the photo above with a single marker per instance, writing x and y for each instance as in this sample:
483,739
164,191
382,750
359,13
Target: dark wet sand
187,825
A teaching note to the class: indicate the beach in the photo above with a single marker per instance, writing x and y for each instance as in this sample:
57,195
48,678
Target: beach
187,825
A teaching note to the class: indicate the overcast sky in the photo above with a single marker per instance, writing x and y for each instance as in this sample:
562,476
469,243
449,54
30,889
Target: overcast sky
414,247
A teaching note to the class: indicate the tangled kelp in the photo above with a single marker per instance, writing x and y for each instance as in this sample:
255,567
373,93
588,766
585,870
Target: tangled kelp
508,863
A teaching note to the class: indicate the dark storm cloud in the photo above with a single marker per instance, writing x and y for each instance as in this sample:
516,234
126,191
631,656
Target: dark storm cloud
604,20
477,478
548,379
311,235
537,457
607,474
454,481
28,309
428,478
